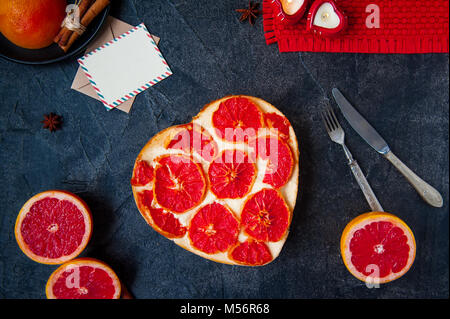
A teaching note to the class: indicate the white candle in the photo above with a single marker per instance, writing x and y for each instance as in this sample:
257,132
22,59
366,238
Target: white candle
326,17
291,6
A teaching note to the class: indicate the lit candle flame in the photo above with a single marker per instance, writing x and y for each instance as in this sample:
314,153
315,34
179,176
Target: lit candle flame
291,6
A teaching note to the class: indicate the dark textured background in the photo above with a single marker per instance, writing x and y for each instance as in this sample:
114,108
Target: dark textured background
405,97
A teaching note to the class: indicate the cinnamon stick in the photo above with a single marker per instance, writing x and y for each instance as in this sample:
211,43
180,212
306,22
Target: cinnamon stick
64,34
94,10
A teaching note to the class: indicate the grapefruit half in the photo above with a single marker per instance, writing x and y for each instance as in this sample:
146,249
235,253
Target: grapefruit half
378,247
53,227
83,278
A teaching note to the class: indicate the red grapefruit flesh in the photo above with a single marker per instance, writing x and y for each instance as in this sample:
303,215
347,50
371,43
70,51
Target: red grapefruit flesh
265,216
378,247
213,229
145,199
179,183
231,175
83,278
251,253
167,224
142,175
195,138
280,160
53,227
277,122
237,119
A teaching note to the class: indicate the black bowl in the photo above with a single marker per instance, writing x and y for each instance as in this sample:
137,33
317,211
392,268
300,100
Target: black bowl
52,53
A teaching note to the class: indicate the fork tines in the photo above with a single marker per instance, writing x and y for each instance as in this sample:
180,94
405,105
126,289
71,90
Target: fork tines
329,119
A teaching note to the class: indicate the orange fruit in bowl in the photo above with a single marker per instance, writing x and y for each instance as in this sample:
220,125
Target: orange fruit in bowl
53,227
378,247
31,24
83,278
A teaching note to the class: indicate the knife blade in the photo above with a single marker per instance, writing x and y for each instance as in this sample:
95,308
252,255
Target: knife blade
360,124
368,133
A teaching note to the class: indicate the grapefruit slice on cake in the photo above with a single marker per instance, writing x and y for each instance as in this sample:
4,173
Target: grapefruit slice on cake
213,229
53,227
163,221
194,139
278,124
251,253
237,119
143,174
83,278
265,216
378,247
208,187
279,159
231,175
179,183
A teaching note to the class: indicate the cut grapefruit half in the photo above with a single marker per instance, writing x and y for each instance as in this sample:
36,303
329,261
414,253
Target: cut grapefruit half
231,175
213,229
377,247
179,183
83,278
278,123
53,227
251,253
165,222
265,216
142,174
194,138
278,155
237,119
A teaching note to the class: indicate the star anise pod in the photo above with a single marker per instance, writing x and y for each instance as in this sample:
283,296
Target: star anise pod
250,13
52,122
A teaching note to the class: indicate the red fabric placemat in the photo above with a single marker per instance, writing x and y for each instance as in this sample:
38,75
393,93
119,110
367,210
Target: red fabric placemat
406,26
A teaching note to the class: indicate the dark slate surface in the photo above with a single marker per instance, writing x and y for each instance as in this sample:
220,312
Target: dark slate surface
404,96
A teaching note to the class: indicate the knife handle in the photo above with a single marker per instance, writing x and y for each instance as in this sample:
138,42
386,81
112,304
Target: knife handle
425,190
362,182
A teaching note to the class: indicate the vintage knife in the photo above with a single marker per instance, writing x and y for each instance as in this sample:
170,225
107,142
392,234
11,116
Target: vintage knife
368,133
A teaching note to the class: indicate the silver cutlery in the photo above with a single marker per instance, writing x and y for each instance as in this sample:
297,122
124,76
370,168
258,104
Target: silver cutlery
368,133
337,135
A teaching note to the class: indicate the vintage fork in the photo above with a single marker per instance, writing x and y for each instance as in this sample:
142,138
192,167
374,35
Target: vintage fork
337,135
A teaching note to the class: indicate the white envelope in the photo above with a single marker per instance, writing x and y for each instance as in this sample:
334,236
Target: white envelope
113,27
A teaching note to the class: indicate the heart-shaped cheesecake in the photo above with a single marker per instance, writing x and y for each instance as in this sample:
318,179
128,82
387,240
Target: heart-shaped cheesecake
223,186
325,18
289,11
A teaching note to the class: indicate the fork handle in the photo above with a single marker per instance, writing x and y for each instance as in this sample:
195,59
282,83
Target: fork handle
425,190
362,182
365,187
